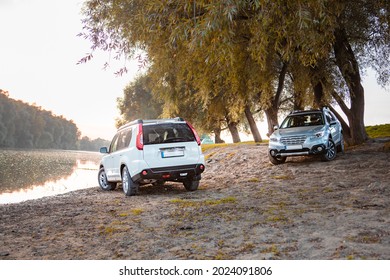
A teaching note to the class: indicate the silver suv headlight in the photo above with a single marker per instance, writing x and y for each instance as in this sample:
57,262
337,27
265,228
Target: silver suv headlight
318,134
273,139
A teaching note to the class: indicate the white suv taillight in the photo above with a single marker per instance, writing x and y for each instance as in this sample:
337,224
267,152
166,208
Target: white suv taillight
195,134
140,138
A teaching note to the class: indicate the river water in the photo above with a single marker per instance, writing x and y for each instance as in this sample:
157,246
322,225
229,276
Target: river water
33,174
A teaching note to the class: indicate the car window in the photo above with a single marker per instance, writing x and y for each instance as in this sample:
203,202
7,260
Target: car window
113,145
124,139
310,119
330,117
167,133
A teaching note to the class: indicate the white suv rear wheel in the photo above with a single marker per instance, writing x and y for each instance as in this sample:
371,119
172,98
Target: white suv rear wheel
191,185
129,187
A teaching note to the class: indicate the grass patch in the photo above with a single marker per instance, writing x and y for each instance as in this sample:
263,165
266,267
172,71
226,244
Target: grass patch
230,155
253,180
184,203
109,230
378,131
229,199
206,147
282,177
136,211
206,157
272,249
247,247
189,203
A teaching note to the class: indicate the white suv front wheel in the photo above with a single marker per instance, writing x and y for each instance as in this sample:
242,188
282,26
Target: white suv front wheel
103,183
129,187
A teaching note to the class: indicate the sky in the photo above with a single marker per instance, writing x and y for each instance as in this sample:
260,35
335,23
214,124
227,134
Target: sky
39,51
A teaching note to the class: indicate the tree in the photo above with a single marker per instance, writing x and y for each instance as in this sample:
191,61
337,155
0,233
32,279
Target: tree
207,45
27,126
138,101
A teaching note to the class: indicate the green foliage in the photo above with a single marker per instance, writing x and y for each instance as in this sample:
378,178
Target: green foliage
86,144
211,59
27,126
377,131
138,102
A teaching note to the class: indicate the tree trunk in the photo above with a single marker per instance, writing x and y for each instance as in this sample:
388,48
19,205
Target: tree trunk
298,102
233,130
272,119
252,125
319,102
272,111
318,95
217,133
349,68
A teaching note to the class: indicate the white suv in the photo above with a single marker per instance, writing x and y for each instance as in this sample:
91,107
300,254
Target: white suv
152,151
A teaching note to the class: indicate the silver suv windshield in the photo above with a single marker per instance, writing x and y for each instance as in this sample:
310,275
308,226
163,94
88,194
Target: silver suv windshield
306,119
167,133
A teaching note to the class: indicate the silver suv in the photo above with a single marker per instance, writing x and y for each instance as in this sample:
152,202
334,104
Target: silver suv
313,132
152,151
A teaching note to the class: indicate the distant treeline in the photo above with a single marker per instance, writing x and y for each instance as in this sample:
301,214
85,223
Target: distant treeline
86,144
31,127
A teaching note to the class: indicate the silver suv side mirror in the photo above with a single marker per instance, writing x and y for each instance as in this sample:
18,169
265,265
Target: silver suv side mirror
104,150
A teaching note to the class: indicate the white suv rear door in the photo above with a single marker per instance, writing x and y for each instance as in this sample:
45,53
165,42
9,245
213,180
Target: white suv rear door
170,144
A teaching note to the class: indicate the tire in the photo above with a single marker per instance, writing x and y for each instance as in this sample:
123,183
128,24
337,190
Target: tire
331,151
276,160
129,187
103,183
191,185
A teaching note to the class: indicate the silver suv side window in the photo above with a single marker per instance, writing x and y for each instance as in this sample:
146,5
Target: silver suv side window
329,117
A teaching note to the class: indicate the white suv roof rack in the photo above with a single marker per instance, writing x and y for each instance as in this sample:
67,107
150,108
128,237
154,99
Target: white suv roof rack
177,119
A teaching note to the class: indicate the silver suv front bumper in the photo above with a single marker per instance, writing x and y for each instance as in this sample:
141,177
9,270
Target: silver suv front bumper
298,146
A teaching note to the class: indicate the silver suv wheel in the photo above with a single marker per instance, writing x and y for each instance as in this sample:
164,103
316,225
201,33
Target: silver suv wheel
331,151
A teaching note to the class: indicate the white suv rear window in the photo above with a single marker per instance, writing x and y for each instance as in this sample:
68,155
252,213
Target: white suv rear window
167,133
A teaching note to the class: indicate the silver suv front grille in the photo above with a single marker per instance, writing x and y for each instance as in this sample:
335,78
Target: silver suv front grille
293,140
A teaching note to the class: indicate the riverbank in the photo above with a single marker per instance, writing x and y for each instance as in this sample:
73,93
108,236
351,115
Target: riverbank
245,208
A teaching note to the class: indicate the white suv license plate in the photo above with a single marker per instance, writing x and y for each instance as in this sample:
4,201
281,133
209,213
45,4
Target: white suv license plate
172,153
294,147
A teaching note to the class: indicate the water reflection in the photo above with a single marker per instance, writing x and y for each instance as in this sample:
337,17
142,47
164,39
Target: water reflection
28,175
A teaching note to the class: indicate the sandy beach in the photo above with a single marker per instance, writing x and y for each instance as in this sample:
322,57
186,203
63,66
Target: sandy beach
245,208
